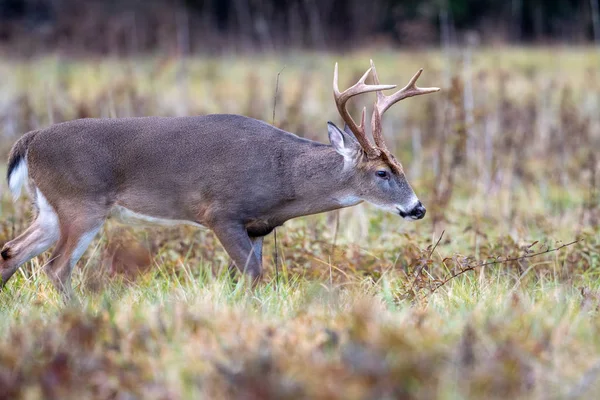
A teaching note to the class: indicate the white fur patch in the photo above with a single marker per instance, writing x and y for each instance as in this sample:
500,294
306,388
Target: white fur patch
47,216
47,219
347,201
83,244
127,216
396,208
17,178
413,203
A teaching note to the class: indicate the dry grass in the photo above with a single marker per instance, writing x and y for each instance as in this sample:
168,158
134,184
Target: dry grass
503,157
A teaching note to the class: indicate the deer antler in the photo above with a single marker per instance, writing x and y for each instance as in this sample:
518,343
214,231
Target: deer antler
384,102
343,97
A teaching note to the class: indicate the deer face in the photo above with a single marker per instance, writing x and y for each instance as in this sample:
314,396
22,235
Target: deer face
377,176
375,180
389,190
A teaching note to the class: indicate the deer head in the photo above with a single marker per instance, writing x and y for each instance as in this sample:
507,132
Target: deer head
376,175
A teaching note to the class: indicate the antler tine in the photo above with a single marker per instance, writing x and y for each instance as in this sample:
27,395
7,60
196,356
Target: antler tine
380,95
384,102
411,89
341,98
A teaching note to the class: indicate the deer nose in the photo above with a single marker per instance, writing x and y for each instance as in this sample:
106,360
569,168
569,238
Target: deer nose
418,212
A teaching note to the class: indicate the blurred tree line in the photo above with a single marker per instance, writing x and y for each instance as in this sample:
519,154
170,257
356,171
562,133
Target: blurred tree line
126,26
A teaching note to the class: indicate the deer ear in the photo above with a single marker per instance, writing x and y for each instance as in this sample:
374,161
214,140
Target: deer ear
343,143
348,130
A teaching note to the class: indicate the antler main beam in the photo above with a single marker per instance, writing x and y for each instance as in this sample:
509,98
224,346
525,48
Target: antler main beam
341,98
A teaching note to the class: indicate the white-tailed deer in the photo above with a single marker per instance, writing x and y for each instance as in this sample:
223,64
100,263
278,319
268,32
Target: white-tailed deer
238,176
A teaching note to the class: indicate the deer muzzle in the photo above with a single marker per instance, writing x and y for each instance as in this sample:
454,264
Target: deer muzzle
417,212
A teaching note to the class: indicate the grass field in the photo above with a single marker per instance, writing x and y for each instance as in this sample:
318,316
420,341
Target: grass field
363,305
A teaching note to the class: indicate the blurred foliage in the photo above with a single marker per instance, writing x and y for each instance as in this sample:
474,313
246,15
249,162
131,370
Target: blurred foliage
134,26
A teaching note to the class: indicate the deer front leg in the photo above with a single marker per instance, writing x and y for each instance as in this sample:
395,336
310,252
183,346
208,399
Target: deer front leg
245,252
257,245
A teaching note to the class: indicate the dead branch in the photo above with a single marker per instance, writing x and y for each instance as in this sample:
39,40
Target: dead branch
499,261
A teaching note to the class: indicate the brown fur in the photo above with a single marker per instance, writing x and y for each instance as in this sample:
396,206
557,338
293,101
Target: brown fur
238,176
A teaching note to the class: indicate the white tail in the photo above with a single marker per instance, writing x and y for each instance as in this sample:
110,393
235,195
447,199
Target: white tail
17,178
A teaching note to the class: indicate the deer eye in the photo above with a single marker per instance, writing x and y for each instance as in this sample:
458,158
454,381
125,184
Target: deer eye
383,174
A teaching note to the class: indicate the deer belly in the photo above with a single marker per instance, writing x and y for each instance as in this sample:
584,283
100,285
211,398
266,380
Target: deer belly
127,216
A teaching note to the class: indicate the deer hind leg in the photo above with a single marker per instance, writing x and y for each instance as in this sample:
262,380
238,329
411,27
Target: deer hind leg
75,237
36,239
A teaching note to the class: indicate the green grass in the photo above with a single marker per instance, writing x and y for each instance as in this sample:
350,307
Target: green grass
207,336
159,316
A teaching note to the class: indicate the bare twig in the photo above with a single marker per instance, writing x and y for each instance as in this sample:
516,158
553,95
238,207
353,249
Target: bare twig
335,234
424,262
275,230
275,97
276,261
436,244
497,261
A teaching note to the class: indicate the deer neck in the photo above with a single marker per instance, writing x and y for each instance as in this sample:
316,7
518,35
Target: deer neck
320,182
